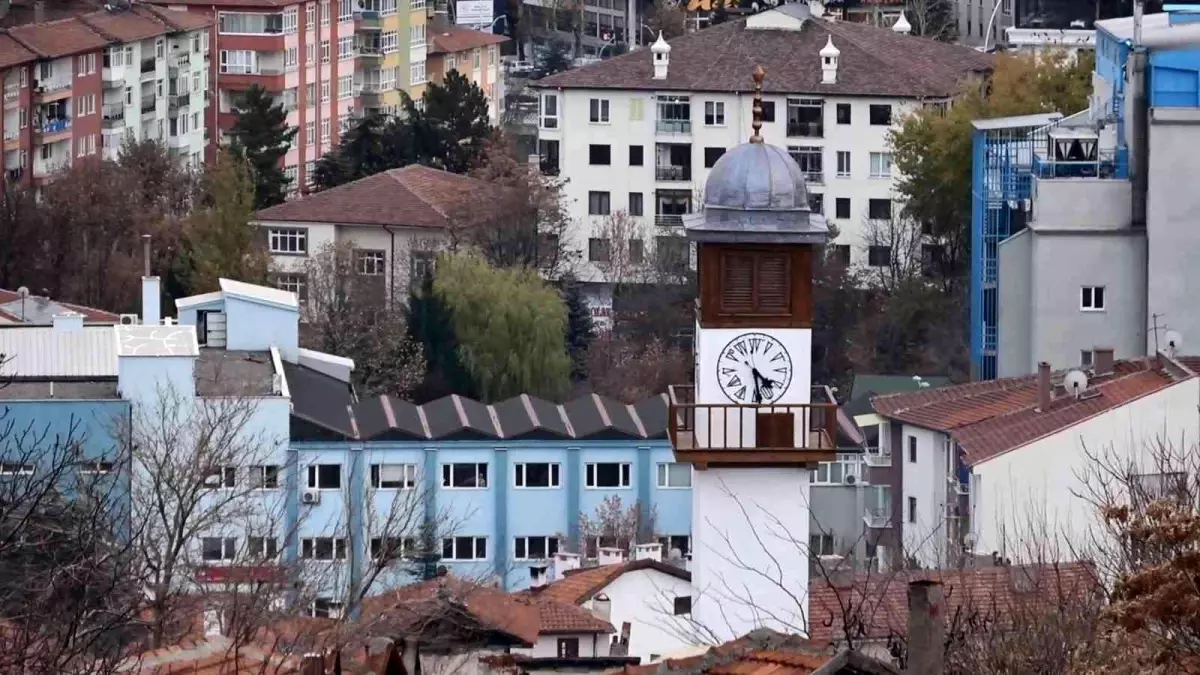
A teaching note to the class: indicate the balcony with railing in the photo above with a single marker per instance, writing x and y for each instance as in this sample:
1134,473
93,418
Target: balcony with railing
149,104
178,100
668,220
878,517
113,114
147,66
54,126
876,458
774,433
674,126
11,92
670,172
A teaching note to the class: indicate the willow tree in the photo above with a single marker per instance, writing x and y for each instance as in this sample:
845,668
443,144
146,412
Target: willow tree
510,326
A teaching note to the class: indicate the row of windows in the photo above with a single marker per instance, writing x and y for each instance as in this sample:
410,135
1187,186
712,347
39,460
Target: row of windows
809,158
468,475
464,548
804,116
98,467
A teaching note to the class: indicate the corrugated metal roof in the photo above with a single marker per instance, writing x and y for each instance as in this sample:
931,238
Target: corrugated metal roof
36,351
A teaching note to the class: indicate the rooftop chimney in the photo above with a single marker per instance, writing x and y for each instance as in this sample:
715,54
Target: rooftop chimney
661,53
151,288
563,563
39,11
602,607
648,552
1102,360
67,322
902,25
1044,386
312,664
538,575
829,62
926,627
610,556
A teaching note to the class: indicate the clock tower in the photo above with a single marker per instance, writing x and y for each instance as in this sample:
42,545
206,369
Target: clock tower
751,425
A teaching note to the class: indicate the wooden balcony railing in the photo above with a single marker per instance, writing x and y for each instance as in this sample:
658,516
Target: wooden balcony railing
779,433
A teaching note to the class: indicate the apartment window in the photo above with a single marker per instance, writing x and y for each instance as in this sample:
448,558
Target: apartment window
326,608
387,7
599,250
599,155
881,165
325,87
264,476
323,548
549,114
768,111
291,58
674,475
345,87
214,549
464,548
22,118
325,12
636,155
820,544
840,254
711,155
295,283
420,265
416,35
85,105
85,64
223,478
16,469
598,111
568,648
806,117
290,16
683,605
389,43
345,10
637,109
310,15
835,473
809,158
416,74
325,127
841,207
1091,298
879,256
390,548
636,207
609,474
912,449
467,475
239,61
394,476
598,203
96,468
843,113
536,475
262,548
1086,358
879,209
881,114
310,55
310,132
674,114
345,48
816,202
368,262
912,509
714,113
637,249
325,476
288,240
534,548
843,163
235,23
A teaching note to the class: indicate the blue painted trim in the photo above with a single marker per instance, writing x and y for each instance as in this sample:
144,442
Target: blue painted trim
978,204
291,518
500,481
574,487
359,537
432,479
643,482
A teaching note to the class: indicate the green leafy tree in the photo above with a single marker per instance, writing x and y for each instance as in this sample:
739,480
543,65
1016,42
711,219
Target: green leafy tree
220,239
262,135
510,326
932,147
580,329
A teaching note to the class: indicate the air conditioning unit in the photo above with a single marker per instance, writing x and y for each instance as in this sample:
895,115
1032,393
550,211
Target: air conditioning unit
310,497
850,479
129,319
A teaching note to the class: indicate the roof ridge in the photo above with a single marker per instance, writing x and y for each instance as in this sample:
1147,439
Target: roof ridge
395,175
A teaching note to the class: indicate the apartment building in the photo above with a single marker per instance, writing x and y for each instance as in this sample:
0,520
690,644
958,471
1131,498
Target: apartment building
77,87
326,61
475,55
639,133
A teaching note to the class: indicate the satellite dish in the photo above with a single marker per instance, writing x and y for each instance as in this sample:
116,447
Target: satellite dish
1075,382
1174,342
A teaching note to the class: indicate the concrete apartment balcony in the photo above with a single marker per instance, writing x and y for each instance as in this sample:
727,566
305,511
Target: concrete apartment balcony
368,20
668,220
674,127
53,130
878,459
46,93
12,94
176,101
369,95
113,115
148,69
670,173
720,433
369,51
877,518
12,139
149,103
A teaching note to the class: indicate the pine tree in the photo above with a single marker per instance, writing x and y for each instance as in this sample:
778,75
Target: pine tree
580,328
262,136
452,127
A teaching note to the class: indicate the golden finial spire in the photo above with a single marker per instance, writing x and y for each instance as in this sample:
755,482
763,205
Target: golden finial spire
756,107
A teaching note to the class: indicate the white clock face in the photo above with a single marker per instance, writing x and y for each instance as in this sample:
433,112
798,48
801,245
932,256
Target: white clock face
754,368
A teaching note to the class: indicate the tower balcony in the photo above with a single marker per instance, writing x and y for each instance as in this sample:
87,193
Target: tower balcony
774,434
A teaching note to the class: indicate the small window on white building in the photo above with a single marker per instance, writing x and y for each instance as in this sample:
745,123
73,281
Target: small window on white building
912,449
264,477
262,548
1091,298
549,111
536,475
288,240
1085,358
224,478
213,549
674,475
912,509
325,476
568,648
714,113
683,605
325,608
609,475
598,109
881,165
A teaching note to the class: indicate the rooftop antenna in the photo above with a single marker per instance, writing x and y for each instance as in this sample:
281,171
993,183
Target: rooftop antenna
145,255
23,292
757,106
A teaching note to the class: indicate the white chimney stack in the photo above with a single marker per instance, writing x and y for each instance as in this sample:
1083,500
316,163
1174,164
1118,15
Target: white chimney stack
602,607
611,556
563,563
648,552
151,288
829,62
902,25
67,322
661,53
539,575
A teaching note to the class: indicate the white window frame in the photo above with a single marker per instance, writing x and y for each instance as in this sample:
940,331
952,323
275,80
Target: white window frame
625,476
229,549
881,165
664,476
222,478
370,262
847,464
448,476
598,111
1087,299
270,546
238,62
308,549
259,473
523,542
553,470
548,121
295,282
17,469
389,42
345,48
97,467
313,475
291,16
456,557
416,35
326,608
838,163
408,480
296,237
714,110
416,73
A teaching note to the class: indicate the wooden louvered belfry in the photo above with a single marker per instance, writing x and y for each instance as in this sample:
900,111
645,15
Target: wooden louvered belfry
755,285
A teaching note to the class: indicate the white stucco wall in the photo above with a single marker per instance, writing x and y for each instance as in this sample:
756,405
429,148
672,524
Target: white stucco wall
925,480
646,599
1027,501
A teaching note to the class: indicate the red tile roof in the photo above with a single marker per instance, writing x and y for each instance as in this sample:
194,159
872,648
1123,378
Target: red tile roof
873,62
228,4
131,26
521,617
89,313
55,39
990,418
875,605
180,20
764,652
212,656
412,196
13,52
580,586
458,39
